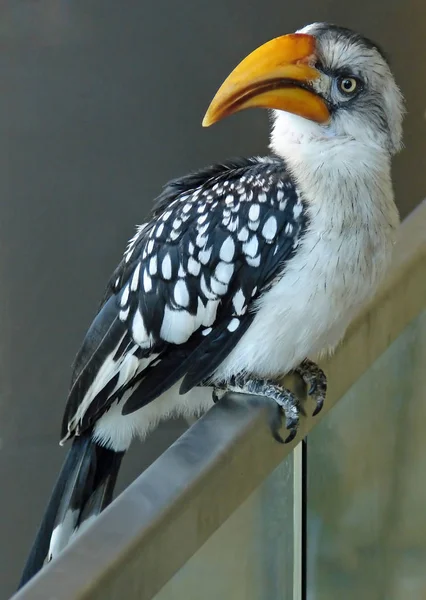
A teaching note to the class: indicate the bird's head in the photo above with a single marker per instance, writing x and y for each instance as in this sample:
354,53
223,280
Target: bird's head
322,82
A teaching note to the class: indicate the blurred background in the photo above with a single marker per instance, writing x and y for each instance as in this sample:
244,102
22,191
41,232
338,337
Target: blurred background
100,104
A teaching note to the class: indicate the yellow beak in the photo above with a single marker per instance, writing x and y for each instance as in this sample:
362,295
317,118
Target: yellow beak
276,75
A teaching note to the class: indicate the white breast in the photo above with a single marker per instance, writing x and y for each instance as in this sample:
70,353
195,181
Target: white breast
338,266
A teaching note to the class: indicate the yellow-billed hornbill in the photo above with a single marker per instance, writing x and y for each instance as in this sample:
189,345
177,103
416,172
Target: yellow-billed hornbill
244,269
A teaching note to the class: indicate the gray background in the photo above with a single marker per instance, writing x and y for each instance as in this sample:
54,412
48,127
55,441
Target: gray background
101,102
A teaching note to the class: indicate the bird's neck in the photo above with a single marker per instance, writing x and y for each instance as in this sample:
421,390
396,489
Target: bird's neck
340,174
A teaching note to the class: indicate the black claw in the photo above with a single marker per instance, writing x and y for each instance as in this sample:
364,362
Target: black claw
316,381
318,407
291,436
292,425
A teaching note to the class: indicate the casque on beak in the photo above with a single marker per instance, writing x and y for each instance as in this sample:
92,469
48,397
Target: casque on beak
278,75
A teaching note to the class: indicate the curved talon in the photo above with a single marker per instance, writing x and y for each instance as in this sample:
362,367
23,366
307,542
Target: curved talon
292,427
318,408
291,436
316,382
292,423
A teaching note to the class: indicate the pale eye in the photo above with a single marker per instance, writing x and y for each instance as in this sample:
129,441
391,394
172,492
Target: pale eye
348,85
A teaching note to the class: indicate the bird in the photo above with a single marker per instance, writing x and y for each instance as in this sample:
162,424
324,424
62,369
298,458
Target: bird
245,270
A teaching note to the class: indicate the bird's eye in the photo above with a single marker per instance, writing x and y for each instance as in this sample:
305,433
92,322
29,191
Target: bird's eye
348,85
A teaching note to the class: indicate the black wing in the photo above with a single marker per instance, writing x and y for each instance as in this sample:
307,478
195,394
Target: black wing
182,296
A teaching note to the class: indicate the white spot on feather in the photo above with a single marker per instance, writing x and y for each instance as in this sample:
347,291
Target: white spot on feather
123,314
177,326
297,209
250,248
139,333
193,266
135,279
227,250
201,240
254,212
224,272
153,265
166,267
147,281
204,255
233,324
239,301
243,234
181,294
253,262
125,296
269,229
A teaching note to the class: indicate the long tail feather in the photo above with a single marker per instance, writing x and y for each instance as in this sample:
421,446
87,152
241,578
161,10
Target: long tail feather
84,488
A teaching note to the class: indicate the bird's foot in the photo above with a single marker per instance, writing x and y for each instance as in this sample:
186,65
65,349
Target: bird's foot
286,403
316,382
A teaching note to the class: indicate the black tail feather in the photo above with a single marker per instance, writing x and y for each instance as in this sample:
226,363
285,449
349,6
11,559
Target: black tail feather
85,486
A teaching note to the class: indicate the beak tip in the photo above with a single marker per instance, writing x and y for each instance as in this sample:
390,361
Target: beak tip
207,121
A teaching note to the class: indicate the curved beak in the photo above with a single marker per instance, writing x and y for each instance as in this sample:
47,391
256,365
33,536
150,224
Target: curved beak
276,75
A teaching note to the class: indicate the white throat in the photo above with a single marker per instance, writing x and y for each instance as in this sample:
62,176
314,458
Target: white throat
350,174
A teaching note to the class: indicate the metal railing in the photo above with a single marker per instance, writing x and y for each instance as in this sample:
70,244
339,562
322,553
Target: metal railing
154,527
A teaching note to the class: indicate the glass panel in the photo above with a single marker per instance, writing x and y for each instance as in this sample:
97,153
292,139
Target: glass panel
250,557
367,483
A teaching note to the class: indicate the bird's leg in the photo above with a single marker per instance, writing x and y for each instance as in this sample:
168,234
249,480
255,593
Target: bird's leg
285,401
316,382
